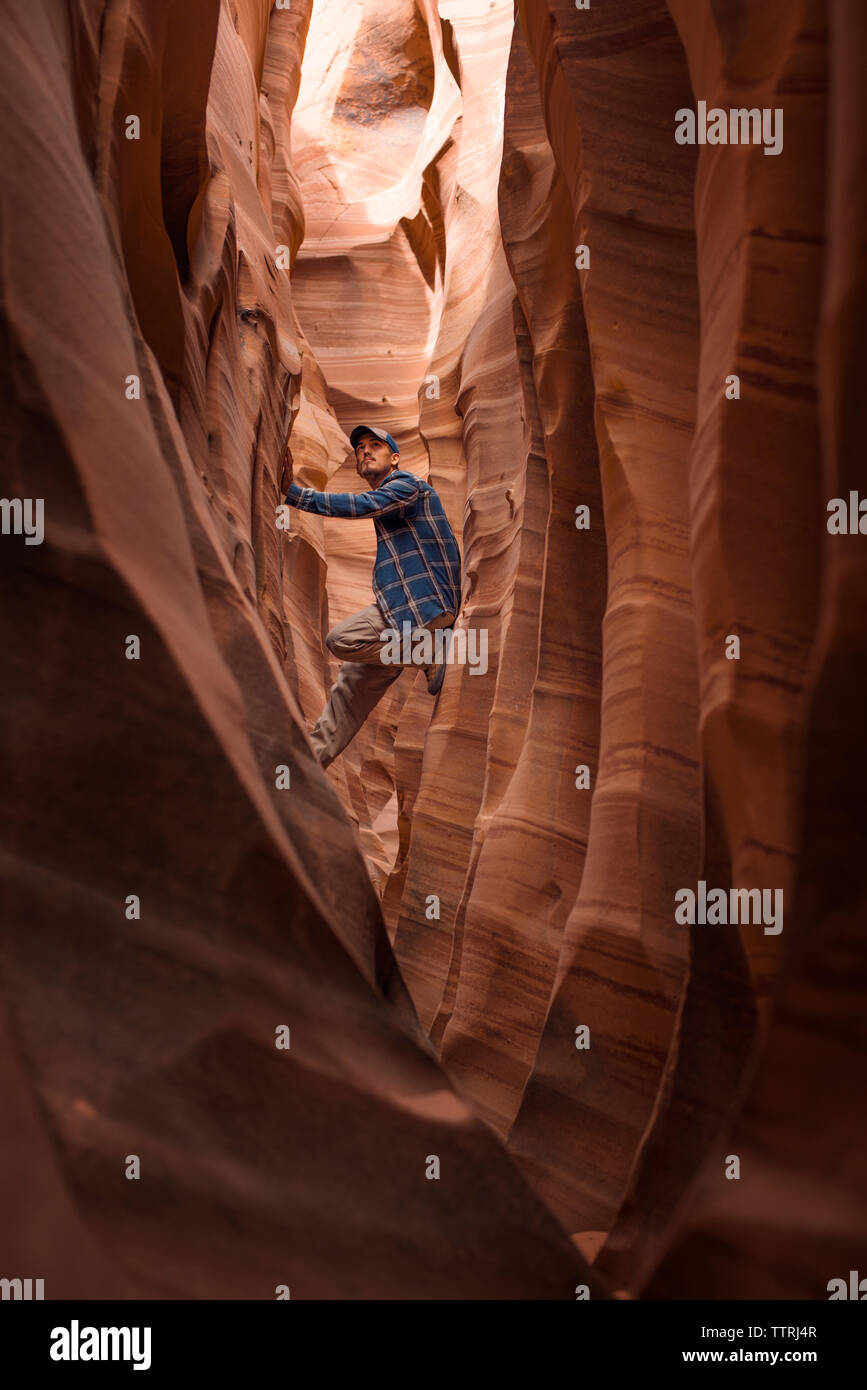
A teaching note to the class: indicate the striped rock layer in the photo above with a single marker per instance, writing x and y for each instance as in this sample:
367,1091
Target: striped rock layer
468,222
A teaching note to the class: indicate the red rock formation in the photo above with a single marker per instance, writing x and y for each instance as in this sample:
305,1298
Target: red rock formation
154,1036
532,830
795,1219
361,211
621,962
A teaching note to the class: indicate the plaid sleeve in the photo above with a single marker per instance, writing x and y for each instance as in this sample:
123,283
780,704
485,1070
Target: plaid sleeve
394,494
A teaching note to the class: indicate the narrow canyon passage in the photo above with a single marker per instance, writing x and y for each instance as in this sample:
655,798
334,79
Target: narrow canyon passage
632,369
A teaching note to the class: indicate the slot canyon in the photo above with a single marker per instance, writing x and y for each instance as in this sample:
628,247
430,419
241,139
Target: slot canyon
227,224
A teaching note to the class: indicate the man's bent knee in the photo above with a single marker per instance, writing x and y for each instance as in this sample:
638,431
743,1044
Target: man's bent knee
337,644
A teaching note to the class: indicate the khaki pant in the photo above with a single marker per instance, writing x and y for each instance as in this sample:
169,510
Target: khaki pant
363,679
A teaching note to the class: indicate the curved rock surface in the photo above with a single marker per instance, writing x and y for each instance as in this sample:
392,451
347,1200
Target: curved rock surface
470,222
152,1034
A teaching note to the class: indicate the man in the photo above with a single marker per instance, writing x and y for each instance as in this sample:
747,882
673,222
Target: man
416,580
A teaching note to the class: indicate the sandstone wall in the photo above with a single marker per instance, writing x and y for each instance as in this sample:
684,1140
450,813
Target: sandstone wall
372,212
155,1035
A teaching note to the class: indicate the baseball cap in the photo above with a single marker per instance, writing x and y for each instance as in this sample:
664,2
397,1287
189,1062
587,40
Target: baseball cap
372,429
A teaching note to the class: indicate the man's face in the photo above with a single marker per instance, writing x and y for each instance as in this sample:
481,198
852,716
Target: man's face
374,459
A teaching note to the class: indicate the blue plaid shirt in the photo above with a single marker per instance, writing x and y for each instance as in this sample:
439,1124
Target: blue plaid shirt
417,574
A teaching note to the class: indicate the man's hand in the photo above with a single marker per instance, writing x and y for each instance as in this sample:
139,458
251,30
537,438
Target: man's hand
286,480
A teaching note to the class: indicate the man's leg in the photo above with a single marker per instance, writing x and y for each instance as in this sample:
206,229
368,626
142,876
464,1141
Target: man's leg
362,681
360,685
435,673
357,638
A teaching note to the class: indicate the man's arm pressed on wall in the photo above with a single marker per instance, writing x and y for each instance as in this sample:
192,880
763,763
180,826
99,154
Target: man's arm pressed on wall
395,494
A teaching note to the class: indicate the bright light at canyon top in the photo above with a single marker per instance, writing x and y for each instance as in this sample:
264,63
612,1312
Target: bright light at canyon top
379,112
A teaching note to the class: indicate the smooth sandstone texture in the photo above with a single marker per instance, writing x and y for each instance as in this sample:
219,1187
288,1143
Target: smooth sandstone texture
556,909
371,210
622,960
796,1218
532,830
154,1035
